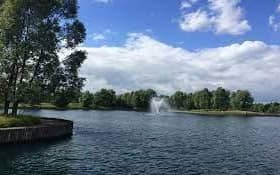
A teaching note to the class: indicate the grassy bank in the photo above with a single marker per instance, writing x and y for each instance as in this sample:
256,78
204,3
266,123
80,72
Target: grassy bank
19,121
71,106
225,113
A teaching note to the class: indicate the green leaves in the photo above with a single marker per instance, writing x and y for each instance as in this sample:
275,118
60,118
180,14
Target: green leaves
31,33
242,100
221,99
75,33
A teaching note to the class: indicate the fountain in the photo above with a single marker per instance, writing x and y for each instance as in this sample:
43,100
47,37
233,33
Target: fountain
158,104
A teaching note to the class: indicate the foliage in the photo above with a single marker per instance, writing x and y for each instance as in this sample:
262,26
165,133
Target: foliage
202,99
105,98
61,100
177,99
221,99
32,33
87,99
241,100
142,98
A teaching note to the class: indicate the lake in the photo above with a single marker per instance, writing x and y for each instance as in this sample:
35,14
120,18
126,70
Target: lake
120,142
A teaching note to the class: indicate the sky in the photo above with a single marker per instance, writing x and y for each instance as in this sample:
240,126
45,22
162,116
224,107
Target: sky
186,45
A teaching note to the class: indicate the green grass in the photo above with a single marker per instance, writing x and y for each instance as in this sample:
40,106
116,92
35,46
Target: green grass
51,106
224,113
19,121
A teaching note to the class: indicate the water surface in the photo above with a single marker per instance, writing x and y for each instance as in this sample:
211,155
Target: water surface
119,142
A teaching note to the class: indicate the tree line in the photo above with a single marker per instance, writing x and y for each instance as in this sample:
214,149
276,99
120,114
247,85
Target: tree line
219,99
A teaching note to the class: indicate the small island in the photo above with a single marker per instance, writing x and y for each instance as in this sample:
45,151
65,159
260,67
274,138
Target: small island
23,129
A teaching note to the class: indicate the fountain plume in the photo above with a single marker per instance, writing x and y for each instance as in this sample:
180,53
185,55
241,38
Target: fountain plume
157,105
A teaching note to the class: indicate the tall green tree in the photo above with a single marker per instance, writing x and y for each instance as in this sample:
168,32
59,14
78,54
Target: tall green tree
202,99
188,102
142,98
221,99
177,100
241,100
105,98
32,33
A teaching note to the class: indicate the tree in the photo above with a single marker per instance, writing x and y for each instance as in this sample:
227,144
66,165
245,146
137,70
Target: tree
87,99
177,99
258,107
61,100
105,98
241,100
221,99
274,108
142,98
188,102
202,99
32,33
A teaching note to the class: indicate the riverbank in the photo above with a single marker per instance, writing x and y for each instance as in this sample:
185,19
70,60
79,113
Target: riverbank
78,106
225,113
74,106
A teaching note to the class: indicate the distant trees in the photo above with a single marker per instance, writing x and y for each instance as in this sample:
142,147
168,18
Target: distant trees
87,99
61,100
202,99
221,99
177,100
269,107
242,100
105,98
108,99
189,102
141,99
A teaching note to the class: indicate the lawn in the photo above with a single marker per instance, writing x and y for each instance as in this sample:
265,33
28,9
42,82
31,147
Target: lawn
229,112
19,121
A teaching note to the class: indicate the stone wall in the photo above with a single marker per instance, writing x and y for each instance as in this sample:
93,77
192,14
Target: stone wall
48,129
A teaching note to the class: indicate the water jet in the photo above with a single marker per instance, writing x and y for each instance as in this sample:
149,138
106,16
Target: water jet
158,105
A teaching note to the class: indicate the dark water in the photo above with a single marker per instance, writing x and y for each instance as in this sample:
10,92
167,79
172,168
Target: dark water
137,143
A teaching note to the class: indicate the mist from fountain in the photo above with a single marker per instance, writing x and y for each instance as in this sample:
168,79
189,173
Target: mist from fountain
158,105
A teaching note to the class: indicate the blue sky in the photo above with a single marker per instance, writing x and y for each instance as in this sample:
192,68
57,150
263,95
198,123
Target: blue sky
183,45
158,18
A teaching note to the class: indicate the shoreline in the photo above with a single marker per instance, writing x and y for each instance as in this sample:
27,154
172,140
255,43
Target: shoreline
77,106
227,113
48,129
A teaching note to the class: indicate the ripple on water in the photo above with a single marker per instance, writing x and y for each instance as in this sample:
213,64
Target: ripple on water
119,142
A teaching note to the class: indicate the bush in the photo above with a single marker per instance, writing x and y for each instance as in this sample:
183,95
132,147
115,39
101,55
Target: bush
61,100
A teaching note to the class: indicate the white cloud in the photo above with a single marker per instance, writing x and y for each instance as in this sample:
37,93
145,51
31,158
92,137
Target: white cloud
273,22
185,5
143,62
98,37
229,17
195,21
220,16
278,8
101,36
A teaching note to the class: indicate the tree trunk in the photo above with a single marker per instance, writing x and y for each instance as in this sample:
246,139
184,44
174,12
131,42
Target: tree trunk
15,108
6,106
